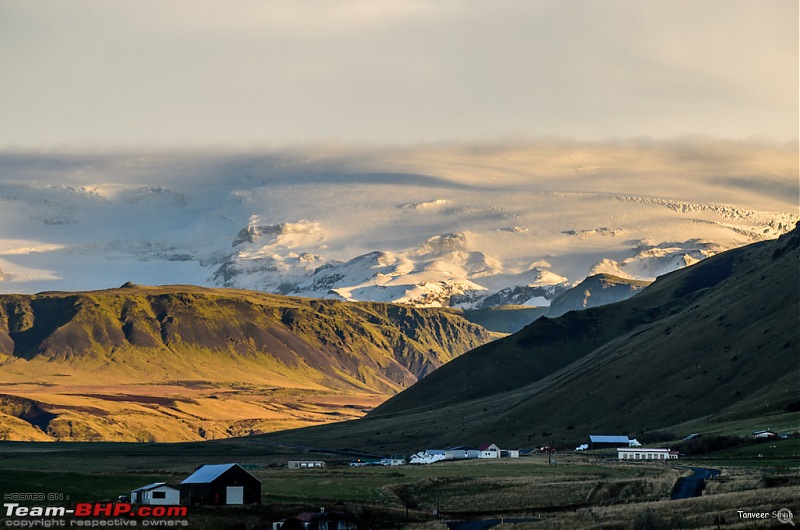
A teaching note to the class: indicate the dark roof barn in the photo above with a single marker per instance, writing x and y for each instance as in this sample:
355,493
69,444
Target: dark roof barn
221,484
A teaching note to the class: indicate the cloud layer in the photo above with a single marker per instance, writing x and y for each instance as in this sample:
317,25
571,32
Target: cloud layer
181,73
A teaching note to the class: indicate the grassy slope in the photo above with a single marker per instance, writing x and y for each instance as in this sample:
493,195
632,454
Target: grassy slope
183,353
715,342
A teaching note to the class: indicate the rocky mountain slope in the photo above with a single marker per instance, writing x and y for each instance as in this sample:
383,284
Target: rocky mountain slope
594,291
104,363
713,343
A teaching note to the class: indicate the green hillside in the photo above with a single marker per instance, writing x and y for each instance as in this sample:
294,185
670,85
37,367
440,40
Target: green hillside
78,355
715,342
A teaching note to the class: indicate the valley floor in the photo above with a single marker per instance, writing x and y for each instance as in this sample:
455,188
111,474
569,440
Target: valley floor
576,491
174,411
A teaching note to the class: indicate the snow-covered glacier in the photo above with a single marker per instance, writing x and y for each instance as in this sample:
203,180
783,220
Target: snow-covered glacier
443,226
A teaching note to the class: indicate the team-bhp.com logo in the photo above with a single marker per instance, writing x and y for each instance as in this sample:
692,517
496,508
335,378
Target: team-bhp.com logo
95,514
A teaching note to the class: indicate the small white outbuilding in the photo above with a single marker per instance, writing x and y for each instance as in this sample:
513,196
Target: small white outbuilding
159,493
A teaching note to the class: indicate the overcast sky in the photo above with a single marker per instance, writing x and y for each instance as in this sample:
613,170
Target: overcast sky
251,73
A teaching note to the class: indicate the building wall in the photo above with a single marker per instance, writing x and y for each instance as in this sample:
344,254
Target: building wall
645,454
460,454
169,496
299,464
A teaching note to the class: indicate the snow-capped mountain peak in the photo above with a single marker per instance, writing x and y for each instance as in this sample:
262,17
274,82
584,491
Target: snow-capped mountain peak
428,226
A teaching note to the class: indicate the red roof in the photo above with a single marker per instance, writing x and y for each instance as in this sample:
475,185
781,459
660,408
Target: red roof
485,447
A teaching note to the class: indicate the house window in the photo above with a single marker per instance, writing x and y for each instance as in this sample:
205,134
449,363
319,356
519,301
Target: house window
159,494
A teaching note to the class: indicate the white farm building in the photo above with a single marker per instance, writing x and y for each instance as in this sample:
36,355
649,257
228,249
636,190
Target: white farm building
489,451
642,453
158,493
303,464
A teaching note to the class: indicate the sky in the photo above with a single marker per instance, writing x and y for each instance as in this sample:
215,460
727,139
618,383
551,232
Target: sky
106,74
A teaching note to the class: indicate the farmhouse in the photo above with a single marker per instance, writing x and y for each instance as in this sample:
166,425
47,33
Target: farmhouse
489,451
221,484
463,453
158,493
765,435
641,453
302,464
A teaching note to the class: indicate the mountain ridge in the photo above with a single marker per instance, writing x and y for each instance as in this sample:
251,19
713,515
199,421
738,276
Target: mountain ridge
596,290
159,335
705,345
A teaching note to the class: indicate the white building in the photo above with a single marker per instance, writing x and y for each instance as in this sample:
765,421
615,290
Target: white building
765,434
642,453
489,451
302,464
461,453
158,493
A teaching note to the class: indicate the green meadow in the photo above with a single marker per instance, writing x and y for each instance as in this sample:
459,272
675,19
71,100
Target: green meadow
574,491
